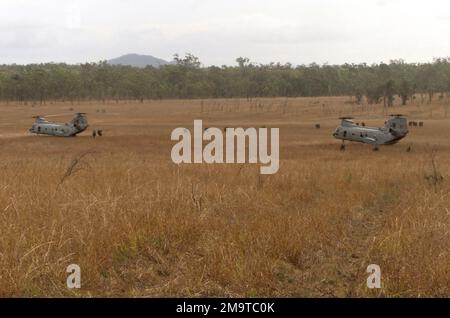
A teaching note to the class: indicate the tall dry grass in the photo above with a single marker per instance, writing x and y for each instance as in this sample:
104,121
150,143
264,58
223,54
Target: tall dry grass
139,225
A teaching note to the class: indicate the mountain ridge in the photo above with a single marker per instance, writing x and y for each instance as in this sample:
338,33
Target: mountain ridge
137,60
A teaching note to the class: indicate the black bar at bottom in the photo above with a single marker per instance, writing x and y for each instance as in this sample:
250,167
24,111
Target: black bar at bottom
207,307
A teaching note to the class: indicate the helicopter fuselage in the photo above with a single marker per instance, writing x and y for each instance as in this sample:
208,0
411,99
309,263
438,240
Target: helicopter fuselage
43,127
394,130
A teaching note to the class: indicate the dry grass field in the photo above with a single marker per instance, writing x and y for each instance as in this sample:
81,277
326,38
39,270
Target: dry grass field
139,225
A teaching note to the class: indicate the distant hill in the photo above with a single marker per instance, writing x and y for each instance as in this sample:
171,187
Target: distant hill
137,60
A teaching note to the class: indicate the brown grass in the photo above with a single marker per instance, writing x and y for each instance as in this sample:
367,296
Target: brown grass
139,225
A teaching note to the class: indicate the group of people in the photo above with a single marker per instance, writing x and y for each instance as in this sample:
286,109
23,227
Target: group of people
97,132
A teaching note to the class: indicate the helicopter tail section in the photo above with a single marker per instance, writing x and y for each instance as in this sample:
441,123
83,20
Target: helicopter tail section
80,122
397,125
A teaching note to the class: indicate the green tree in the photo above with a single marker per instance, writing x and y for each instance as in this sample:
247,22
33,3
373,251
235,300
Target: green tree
405,91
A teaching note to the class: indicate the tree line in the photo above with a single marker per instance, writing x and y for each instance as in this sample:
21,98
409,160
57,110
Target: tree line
186,78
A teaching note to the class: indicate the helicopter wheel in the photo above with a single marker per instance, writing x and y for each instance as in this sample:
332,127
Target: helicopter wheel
376,148
342,147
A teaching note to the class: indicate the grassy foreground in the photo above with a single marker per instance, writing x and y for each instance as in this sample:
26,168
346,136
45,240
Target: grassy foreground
139,225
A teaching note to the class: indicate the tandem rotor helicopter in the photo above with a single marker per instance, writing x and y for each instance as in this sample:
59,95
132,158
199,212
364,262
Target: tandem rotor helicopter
42,126
395,129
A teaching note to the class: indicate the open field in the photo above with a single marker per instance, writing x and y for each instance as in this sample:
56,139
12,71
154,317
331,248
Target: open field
139,225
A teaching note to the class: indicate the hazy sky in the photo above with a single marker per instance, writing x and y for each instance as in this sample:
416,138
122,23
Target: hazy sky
218,31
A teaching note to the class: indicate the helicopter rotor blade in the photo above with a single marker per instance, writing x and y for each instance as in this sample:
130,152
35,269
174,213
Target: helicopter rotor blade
397,115
59,115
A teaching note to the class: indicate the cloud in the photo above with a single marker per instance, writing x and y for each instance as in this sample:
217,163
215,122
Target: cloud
218,31
383,3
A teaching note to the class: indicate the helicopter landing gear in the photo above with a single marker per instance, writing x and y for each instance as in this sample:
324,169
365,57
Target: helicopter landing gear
375,148
342,146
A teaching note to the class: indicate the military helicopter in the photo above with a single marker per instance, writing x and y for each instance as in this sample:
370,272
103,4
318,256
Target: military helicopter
395,129
77,125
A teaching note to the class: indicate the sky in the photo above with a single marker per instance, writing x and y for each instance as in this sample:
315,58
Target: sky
219,31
